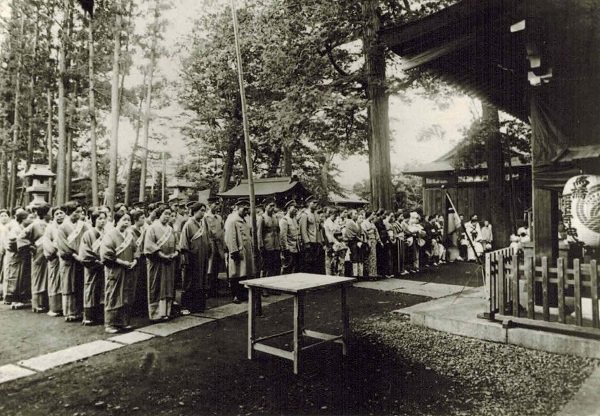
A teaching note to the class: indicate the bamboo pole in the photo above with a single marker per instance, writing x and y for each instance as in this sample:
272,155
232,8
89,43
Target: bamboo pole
246,139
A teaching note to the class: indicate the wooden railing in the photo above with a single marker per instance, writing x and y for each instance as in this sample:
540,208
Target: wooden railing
542,295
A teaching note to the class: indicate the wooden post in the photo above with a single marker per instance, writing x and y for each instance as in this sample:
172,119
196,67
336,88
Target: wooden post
515,284
298,328
577,290
546,303
594,284
560,274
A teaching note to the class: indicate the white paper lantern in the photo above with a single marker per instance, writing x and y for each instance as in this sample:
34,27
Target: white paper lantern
581,208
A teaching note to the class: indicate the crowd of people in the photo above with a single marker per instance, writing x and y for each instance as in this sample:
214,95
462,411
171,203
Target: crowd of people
101,266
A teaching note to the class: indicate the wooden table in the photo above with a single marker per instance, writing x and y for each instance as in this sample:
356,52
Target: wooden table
297,284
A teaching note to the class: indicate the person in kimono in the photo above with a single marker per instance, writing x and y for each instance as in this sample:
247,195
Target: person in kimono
354,237
473,233
195,247
140,293
373,240
93,277
52,263
4,229
34,234
239,246
118,254
160,248
71,271
18,266
216,261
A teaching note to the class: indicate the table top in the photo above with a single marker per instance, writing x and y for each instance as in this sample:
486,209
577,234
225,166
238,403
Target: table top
297,282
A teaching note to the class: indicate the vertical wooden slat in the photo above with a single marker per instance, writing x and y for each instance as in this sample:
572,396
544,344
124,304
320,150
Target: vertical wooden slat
515,283
529,281
577,277
546,303
501,286
594,284
488,280
495,283
560,273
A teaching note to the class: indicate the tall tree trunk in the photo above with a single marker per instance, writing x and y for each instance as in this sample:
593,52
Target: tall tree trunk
498,203
69,167
4,167
379,150
49,95
114,152
274,163
32,97
135,145
49,143
16,123
243,158
228,165
287,161
62,129
148,106
92,101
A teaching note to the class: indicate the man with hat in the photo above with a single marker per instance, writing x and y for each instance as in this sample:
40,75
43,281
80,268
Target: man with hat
216,261
289,237
238,240
268,240
309,231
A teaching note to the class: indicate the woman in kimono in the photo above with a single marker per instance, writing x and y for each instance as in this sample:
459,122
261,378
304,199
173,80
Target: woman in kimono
117,252
18,268
161,252
373,239
195,248
140,290
52,266
34,234
93,280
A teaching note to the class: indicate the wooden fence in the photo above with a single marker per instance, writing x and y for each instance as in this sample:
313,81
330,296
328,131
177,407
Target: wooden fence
550,296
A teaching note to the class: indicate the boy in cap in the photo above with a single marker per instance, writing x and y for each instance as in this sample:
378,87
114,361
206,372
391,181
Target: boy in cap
216,261
309,230
238,240
289,237
268,240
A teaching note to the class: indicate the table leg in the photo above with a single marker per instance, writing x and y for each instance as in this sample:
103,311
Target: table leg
345,321
251,323
298,328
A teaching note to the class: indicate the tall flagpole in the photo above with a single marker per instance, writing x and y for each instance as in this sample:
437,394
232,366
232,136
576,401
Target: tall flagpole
246,139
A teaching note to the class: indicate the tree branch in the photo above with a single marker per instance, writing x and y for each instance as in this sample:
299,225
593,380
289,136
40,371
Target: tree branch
328,50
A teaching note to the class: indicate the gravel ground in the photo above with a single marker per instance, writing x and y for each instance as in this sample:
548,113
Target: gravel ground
464,376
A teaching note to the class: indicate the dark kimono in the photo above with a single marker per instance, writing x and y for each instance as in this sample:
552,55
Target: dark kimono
93,275
195,246
18,267
52,268
140,289
71,271
161,272
118,279
35,234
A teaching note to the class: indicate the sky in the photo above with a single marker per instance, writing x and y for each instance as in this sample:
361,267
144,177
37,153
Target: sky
406,119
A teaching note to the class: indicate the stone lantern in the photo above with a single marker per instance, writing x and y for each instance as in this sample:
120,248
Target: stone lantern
40,184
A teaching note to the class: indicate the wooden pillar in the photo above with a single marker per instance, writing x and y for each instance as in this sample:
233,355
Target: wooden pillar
545,223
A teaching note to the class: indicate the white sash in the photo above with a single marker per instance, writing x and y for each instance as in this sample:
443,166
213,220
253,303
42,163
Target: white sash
128,238
97,242
75,232
200,231
161,242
